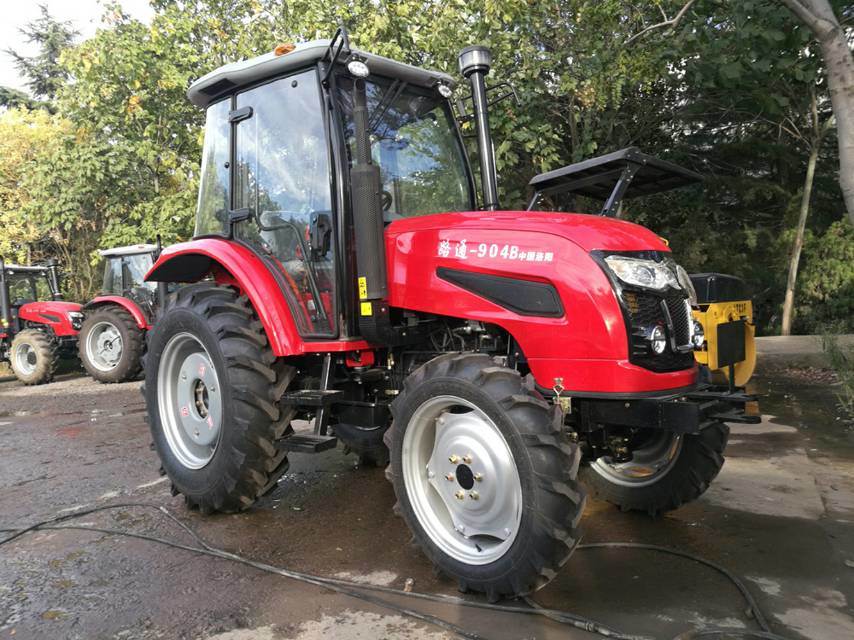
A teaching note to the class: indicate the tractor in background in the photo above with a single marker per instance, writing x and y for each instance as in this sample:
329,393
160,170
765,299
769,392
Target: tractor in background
112,337
343,279
37,328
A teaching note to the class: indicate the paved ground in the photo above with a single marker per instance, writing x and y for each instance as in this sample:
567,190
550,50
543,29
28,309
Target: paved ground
781,514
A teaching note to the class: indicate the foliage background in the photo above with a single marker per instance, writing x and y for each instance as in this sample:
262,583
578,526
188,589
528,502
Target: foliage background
106,149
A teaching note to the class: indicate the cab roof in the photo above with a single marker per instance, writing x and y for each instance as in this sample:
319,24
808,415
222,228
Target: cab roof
129,250
233,76
24,269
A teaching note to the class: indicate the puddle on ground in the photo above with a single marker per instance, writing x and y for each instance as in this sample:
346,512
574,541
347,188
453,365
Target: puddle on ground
811,408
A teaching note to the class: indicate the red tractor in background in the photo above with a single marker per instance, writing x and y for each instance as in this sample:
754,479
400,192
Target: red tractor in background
112,338
342,274
36,327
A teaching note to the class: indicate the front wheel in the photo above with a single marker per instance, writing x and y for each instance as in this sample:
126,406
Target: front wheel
484,476
34,357
111,344
666,470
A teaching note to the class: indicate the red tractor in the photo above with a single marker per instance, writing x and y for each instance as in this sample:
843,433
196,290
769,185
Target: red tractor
343,274
112,337
36,327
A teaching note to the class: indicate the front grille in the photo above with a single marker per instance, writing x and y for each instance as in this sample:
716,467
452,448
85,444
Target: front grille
645,311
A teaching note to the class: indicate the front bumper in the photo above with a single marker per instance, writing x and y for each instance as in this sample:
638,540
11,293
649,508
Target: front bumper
688,412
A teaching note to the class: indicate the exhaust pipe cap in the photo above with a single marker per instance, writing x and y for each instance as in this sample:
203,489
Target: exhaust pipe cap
475,58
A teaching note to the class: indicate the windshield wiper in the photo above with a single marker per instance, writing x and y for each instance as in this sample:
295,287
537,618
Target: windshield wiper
386,100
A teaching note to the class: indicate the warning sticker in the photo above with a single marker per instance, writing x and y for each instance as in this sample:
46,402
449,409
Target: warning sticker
363,288
367,309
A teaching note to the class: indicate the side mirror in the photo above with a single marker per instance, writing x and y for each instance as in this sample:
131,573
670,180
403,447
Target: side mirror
320,234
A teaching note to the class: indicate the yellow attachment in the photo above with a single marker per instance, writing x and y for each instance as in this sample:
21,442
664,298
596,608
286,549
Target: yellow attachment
718,313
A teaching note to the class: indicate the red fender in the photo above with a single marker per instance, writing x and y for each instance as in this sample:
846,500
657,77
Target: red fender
53,314
192,261
126,303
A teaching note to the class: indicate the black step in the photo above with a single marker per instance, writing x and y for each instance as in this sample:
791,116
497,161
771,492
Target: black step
308,443
310,398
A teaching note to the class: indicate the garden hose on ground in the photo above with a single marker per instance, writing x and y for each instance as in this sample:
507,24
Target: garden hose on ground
355,589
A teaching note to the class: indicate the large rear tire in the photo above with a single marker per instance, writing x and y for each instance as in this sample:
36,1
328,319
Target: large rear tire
484,475
667,470
212,387
111,344
33,357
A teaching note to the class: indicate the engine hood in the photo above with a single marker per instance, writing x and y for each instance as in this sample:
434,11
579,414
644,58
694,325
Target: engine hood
589,232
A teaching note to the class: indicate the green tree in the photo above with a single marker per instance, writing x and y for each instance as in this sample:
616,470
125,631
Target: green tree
43,71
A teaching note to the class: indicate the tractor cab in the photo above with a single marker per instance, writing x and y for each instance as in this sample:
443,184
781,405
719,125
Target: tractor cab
36,326
345,283
124,274
720,303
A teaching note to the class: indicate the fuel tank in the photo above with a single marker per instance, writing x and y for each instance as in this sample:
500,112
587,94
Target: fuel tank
532,274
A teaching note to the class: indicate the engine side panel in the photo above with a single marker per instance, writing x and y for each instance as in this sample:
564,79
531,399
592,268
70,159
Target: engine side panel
587,346
53,314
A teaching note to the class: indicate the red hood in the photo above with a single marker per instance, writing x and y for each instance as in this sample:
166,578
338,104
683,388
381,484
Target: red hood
47,306
590,232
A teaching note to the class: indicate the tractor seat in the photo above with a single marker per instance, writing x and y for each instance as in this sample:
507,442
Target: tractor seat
19,302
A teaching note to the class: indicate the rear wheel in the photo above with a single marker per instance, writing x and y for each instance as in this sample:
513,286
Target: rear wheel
34,357
484,476
211,391
666,471
111,345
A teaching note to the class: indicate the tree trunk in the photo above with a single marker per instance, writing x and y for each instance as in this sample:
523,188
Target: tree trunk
839,64
795,258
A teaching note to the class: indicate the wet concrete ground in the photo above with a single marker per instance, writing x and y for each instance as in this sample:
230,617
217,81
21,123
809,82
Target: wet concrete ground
781,515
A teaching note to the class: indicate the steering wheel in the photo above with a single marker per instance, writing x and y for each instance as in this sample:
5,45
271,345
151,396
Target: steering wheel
387,199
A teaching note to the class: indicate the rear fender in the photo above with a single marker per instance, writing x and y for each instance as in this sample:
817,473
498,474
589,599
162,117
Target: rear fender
233,264
128,305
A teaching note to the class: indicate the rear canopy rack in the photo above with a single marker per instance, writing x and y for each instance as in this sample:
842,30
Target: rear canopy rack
623,174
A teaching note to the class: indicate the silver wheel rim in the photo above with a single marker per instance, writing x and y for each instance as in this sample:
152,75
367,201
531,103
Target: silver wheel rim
104,346
189,400
461,480
648,464
26,359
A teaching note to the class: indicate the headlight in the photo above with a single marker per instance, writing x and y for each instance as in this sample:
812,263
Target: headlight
698,336
642,273
657,340
76,319
687,285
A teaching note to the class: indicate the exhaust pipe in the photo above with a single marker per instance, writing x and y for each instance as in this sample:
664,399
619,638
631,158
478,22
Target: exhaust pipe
53,275
368,227
475,62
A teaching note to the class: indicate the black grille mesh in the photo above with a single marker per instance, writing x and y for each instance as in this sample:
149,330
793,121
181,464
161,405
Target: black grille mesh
645,311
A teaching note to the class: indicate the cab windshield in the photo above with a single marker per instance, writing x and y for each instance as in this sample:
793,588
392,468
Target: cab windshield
415,143
127,274
28,288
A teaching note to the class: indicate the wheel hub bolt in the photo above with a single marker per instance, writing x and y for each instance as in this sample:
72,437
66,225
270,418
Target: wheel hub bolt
460,495
183,376
449,477
430,474
454,459
478,477
467,459
474,495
